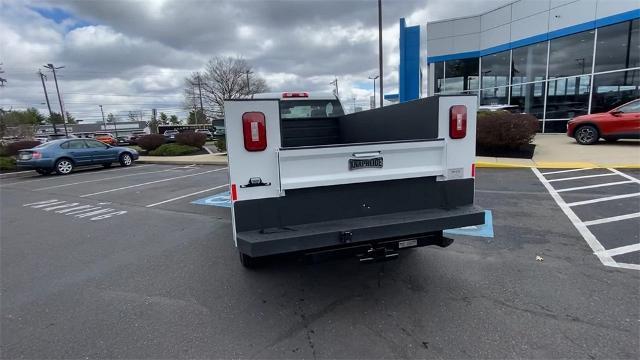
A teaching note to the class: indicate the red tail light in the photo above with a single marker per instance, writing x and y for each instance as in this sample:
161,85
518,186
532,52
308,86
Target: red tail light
36,155
295,95
254,131
458,122
234,192
473,170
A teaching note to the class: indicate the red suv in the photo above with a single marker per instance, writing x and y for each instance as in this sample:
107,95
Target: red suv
622,122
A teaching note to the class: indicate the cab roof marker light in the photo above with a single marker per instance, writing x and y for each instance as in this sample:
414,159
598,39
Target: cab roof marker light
295,95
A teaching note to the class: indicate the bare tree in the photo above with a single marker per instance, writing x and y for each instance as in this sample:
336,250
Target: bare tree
223,78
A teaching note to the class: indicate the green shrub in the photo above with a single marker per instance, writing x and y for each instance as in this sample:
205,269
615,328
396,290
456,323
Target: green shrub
3,150
221,144
13,148
7,163
502,129
151,141
173,150
191,138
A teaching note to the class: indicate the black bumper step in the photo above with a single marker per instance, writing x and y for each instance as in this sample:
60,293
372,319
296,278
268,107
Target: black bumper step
326,234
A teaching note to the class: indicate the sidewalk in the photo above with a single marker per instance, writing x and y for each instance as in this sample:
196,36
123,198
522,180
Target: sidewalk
561,151
552,151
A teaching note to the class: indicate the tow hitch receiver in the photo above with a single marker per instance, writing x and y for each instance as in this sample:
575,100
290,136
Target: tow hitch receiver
388,250
378,254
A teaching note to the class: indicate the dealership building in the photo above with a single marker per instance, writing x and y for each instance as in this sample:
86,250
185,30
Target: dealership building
554,59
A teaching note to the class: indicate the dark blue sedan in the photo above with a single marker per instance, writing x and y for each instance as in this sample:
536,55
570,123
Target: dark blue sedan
63,155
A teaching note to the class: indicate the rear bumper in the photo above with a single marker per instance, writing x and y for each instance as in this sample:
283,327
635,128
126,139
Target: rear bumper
34,164
370,229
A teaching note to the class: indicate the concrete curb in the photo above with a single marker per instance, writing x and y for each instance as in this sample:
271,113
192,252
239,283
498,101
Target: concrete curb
183,162
15,174
479,164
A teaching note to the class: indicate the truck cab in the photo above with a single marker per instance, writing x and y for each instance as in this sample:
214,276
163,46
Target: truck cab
306,178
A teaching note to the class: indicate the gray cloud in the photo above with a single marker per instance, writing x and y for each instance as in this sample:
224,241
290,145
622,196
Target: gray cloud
143,49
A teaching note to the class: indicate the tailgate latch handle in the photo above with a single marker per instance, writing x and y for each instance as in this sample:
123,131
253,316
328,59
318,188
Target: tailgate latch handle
367,154
255,181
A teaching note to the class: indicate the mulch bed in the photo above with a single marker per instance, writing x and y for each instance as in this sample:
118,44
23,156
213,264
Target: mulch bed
199,152
523,152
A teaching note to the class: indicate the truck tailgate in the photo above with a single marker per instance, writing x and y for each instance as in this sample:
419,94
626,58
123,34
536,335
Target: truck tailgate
346,164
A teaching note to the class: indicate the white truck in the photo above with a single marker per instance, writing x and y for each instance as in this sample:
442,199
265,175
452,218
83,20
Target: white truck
305,177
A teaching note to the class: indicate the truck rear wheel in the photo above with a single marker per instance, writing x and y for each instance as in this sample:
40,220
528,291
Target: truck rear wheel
248,261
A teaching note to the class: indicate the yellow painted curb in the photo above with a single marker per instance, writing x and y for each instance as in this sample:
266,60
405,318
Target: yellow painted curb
500,165
565,164
554,165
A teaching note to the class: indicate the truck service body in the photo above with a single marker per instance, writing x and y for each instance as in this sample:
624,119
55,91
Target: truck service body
305,177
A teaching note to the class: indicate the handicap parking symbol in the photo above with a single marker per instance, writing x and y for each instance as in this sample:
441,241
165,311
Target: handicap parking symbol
221,200
484,230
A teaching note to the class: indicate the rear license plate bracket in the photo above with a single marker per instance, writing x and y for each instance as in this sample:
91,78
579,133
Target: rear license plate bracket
375,162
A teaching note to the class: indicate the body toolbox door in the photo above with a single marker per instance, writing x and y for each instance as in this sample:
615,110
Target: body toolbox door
253,140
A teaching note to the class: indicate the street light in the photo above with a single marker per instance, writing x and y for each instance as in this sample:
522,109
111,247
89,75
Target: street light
374,89
103,121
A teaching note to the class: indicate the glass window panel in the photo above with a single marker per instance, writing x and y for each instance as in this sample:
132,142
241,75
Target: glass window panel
461,75
494,96
614,89
495,69
571,55
572,101
633,107
529,98
529,63
618,46
555,126
552,88
439,76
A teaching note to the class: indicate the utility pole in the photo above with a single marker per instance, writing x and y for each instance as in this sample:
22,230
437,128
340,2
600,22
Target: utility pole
104,122
115,125
46,96
380,51
55,78
200,93
154,112
374,88
354,104
2,80
335,83
248,84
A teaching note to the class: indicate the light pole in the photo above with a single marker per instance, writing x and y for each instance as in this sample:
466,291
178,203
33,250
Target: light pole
55,78
374,89
380,51
104,122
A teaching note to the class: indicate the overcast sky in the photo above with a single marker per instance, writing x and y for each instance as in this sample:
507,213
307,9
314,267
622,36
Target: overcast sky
131,55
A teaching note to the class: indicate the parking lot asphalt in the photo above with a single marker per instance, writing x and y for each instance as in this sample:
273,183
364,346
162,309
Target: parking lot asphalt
120,263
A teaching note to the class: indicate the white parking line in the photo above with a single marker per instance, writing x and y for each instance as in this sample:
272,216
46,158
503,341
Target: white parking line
594,186
187,195
625,175
79,211
105,179
151,182
588,236
612,219
607,198
564,171
49,178
581,177
623,250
